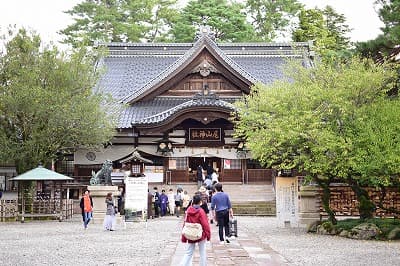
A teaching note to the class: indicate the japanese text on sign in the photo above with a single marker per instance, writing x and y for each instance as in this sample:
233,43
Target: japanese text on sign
204,134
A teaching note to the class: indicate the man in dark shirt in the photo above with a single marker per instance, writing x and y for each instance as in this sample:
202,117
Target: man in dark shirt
157,204
199,175
210,170
222,209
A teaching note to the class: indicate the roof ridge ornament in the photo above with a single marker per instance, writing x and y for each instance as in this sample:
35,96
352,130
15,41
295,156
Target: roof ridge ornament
206,94
204,31
205,68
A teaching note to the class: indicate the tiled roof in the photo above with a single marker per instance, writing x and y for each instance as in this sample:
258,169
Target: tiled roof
128,74
204,41
161,108
133,69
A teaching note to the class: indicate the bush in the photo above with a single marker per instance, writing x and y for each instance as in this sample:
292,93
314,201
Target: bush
386,225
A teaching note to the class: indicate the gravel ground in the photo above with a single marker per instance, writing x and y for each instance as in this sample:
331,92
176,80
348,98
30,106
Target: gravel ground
300,248
67,243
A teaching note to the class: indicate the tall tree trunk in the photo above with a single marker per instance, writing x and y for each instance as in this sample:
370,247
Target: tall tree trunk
326,196
366,207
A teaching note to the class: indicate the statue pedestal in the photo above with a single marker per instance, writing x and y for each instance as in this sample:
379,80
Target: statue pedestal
309,205
98,194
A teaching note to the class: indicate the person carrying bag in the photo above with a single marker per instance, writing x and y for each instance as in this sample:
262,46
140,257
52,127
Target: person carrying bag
196,229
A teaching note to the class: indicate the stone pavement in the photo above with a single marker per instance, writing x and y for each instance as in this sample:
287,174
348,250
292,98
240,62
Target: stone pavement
246,250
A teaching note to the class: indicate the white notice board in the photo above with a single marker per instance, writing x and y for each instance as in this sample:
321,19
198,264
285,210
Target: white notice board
136,193
287,201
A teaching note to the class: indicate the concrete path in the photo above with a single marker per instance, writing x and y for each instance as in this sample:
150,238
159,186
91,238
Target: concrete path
246,249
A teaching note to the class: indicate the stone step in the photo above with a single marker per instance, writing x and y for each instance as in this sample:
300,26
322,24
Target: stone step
255,208
246,199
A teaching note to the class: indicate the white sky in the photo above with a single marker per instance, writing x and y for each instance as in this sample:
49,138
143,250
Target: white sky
47,17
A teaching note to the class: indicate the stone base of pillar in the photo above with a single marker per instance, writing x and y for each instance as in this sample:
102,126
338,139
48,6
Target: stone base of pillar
309,205
98,194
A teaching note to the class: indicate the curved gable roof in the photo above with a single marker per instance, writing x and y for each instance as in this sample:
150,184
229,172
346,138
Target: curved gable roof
201,102
204,42
135,72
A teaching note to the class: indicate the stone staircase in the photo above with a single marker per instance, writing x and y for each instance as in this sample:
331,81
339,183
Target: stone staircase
252,200
255,208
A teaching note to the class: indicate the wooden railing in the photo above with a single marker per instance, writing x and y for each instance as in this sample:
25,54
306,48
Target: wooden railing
8,210
260,176
36,208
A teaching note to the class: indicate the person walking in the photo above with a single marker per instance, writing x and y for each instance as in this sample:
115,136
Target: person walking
149,204
195,214
222,209
163,203
185,200
178,202
109,220
210,170
204,199
200,176
121,201
156,197
171,201
86,205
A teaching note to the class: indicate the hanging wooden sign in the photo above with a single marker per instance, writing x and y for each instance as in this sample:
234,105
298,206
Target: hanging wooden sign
204,134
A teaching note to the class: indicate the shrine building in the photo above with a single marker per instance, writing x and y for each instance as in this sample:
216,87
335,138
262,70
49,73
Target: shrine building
175,107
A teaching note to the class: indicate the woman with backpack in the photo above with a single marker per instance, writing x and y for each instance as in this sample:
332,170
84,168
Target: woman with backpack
195,214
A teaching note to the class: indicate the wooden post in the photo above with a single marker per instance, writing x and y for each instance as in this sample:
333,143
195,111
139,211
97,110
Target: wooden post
21,188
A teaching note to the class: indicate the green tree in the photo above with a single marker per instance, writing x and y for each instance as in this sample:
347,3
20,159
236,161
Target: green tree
327,29
380,47
337,28
272,18
226,20
312,26
389,13
47,104
311,123
164,16
119,20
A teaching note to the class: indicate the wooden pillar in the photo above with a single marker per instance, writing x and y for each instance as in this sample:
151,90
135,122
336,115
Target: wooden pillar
21,189
245,179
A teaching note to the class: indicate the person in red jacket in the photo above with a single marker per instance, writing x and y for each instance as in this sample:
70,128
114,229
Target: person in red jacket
195,214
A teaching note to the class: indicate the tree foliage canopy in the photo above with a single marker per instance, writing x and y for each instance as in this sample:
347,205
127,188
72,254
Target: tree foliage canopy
119,21
226,20
327,28
271,18
324,121
389,13
47,106
382,46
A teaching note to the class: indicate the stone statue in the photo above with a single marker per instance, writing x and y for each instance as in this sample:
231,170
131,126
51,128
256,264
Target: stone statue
103,176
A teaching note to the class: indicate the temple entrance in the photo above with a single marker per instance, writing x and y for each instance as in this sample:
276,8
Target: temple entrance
184,169
194,162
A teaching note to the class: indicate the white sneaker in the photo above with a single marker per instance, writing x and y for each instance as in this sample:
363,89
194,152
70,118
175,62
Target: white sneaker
230,238
221,242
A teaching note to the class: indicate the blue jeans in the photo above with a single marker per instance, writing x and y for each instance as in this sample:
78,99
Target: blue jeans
87,217
188,257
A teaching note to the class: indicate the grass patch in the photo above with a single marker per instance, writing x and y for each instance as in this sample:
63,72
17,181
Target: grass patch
385,224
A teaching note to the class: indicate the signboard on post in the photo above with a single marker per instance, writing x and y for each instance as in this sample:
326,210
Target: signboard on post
287,201
136,197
